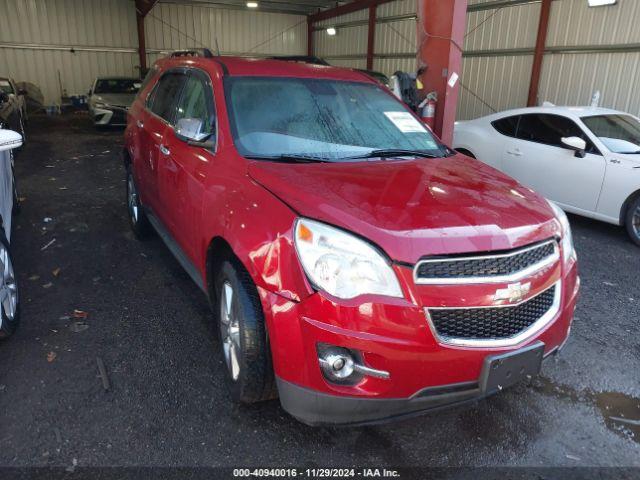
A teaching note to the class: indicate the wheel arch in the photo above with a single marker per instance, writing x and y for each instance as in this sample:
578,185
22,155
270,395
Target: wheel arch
625,206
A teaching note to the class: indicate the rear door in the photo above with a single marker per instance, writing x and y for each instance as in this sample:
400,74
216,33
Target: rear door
156,121
538,159
183,168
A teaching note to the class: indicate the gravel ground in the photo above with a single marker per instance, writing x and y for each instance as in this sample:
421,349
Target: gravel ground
167,404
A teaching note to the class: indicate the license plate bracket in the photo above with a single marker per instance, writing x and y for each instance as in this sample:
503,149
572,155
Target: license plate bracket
505,370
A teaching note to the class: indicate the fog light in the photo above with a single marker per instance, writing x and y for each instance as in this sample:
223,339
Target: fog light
337,364
343,366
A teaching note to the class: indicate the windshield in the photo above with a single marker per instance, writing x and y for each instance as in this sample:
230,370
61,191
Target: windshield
5,86
619,133
117,85
326,119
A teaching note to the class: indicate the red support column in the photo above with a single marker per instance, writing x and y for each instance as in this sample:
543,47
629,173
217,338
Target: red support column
142,47
310,37
371,40
143,7
538,55
441,29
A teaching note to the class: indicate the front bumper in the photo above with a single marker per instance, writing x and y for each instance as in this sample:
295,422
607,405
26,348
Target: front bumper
316,408
112,116
393,336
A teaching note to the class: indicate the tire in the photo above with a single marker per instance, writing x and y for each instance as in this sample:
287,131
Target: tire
9,298
137,219
632,220
243,335
16,197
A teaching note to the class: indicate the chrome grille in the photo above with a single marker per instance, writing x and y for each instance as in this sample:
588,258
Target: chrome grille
461,325
509,266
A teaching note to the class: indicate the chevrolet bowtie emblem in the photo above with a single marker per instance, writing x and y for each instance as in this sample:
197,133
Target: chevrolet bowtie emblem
513,293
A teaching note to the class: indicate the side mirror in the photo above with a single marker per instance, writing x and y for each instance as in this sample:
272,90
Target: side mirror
89,92
189,130
576,144
9,140
22,92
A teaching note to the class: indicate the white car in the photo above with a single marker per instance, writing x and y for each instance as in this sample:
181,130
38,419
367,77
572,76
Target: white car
9,306
587,160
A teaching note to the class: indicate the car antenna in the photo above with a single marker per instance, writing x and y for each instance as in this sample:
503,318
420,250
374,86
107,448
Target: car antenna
217,47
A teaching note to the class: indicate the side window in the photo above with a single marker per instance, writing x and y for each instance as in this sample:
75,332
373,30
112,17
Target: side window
506,126
197,102
549,129
165,94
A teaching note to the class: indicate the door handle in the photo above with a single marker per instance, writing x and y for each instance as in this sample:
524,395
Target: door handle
140,123
164,150
516,152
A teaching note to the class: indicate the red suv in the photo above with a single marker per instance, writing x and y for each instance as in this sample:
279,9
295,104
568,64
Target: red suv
356,266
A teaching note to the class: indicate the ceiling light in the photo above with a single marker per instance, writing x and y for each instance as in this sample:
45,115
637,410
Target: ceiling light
601,3
252,4
331,31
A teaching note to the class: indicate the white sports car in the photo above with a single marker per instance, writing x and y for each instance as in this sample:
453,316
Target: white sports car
587,160
9,306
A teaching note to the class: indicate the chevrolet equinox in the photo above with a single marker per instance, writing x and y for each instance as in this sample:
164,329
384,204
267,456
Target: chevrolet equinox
357,268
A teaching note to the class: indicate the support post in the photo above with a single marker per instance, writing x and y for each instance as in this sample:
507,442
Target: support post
538,56
371,39
143,7
310,47
441,28
142,47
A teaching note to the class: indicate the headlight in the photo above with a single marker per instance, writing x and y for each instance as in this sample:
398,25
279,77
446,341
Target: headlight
568,249
342,264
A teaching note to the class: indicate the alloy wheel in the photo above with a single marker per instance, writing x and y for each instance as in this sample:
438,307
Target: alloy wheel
636,222
132,200
8,286
230,330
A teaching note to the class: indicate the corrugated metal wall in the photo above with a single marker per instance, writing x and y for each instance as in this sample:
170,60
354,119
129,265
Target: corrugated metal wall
496,67
593,49
174,26
37,38
395,40
588,49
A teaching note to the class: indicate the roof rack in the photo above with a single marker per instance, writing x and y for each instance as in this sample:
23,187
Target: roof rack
301,59
199,52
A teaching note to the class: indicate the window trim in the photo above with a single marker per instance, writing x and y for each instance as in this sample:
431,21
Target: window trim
208,83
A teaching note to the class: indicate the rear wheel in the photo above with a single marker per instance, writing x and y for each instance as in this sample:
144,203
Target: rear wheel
9,299
243,336
633,221
137,218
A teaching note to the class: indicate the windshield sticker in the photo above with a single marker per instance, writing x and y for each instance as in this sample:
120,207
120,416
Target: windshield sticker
405,122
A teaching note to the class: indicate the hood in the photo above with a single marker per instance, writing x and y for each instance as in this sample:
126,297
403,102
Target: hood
413,208
115,99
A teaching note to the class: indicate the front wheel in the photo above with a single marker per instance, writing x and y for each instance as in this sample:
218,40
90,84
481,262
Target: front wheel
9,299
633,221
243,336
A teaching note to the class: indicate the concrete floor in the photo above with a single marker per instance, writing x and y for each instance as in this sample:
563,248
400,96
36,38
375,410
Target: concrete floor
167,404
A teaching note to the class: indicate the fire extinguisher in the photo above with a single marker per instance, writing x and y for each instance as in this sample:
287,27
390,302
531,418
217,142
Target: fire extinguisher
427,109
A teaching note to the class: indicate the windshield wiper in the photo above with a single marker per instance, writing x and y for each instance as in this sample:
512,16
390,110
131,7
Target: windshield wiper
390,153
289,158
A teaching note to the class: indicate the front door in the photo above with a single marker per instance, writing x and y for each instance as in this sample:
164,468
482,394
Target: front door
184,167
537,159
